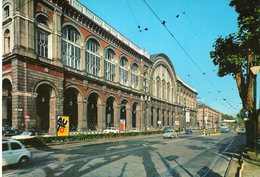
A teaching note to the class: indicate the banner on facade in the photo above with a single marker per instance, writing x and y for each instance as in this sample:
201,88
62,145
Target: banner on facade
187,116
62,125
122,125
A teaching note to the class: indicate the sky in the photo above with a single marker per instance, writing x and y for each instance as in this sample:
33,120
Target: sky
195,26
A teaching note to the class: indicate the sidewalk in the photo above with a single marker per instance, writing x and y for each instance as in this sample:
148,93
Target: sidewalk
244,165
251,166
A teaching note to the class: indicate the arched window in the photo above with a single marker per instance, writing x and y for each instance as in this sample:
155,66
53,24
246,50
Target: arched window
134,76
163,89
71,50
6,41
158,86
93,57
145,83
123,71
6,12
43,37
110,65
168,92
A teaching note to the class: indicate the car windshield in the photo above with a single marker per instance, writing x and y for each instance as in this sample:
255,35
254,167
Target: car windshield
169,131
26,133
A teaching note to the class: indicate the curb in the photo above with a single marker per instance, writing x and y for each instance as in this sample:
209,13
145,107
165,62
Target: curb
242,164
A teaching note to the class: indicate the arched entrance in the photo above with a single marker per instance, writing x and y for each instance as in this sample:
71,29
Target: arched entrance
152,121
110,104
6,103
134,115
43,105
123,115
94,110
158,117
71,107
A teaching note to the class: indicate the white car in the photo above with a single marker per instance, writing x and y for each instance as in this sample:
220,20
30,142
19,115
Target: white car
24,135
170,134
134,130
14,152
111,130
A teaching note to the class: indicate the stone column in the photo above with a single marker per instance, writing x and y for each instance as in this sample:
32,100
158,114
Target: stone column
116,116
170,118
148,116
82,115
155,117
56,38
100,116
128,118
138,118
52,127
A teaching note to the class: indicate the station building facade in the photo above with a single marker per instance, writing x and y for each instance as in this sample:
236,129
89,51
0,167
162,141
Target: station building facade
59,58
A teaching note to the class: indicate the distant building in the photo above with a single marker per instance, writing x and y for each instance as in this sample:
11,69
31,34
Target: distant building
208,117
59,58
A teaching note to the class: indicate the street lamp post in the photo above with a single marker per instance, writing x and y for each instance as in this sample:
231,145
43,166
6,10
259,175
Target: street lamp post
255,70
146,99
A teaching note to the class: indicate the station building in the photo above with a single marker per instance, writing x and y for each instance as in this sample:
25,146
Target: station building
59,58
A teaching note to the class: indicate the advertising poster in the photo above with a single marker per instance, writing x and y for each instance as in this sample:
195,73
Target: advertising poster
62,126
122,125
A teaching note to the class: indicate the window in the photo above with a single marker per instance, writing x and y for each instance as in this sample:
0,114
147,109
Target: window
93,57
6,41
42,43
134,75
15,146
123,71
5,147
158,87
168,92
70,47
110,65
6,12
43,37
163,89
145,83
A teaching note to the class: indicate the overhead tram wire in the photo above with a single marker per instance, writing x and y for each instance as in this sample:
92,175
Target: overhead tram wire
163,22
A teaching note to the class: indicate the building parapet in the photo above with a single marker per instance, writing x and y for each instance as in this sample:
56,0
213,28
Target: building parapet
83,9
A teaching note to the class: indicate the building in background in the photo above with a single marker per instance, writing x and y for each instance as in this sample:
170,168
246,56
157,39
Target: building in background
59,58
208,117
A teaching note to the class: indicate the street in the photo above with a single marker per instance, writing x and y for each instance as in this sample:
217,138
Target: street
188,155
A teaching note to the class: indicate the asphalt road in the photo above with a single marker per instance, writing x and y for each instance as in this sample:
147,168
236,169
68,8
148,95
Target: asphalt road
151,156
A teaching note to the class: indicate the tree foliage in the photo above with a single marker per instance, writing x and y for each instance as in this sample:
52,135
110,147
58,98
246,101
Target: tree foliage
236,53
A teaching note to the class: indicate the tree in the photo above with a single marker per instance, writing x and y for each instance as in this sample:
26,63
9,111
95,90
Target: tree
237,52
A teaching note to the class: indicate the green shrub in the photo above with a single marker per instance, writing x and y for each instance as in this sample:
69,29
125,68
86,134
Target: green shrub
44,141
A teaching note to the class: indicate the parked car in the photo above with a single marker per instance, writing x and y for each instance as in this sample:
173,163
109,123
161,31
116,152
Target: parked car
170,134
7,130
134,130
25,135
188,131
14,152
111,130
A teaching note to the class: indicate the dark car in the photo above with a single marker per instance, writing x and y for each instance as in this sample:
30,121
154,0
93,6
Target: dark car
9,131
188,131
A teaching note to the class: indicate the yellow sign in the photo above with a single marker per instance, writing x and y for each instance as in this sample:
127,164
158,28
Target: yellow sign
63,126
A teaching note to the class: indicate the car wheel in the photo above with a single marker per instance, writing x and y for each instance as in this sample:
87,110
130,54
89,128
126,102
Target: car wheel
23,161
